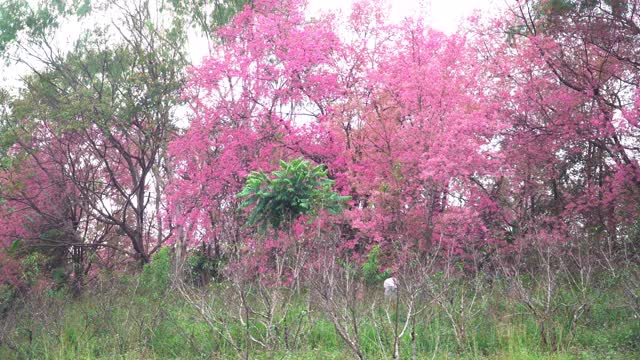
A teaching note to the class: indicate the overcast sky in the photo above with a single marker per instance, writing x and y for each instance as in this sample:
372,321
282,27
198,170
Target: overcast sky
444,15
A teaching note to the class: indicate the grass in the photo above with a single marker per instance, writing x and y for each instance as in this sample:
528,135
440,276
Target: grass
121,319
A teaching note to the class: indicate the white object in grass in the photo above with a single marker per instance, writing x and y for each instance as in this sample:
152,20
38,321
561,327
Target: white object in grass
390,286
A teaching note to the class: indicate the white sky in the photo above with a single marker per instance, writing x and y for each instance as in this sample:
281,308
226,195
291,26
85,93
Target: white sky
444,15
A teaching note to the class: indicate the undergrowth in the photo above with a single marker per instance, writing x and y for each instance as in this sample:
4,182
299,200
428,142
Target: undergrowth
121,317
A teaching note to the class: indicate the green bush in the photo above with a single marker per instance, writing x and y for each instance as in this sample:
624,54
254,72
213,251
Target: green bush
7,297
298,188
59,276
202,267
156,276
33,266
371,268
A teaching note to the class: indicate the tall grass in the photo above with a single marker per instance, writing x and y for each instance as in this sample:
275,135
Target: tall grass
120,317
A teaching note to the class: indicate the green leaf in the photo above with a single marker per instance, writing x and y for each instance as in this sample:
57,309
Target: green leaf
294,190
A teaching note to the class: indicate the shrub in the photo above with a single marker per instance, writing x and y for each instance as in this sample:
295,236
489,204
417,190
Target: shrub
8,294
32,267
156,276
370,269
202,267
284,195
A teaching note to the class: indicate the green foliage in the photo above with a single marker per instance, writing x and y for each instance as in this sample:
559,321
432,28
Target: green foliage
111,324
223,11
102,81
556,7
59,276
33,266
156,275
12,14
36,19
370,269
541,14
7,297
200,13
14,248
202,267
80,86
284,195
